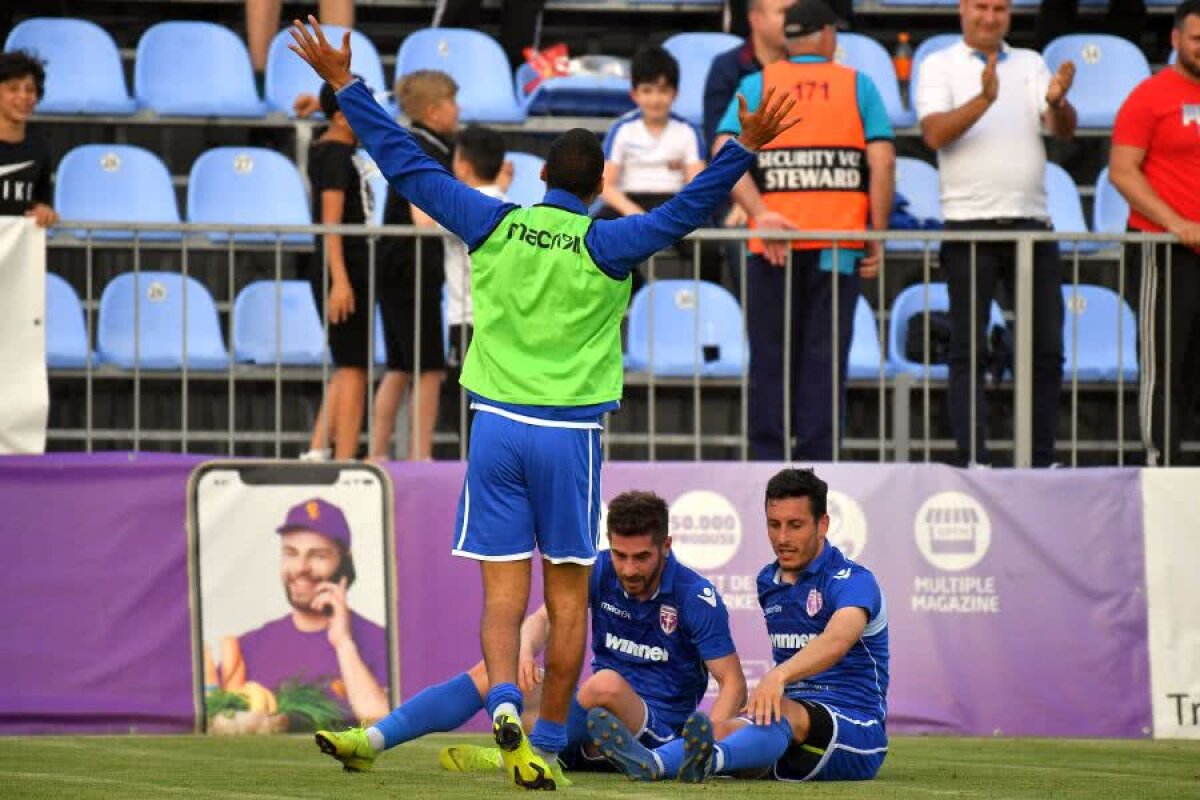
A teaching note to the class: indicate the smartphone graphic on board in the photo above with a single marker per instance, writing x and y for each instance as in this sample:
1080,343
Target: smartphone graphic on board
292,573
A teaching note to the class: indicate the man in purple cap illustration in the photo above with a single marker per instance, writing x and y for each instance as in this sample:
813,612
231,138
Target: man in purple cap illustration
321,641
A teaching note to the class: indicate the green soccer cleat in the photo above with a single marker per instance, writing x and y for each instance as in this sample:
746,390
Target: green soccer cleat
698,749
621,747
527,768
349,747
470,758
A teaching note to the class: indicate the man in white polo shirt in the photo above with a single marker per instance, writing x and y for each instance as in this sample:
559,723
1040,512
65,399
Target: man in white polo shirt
982,106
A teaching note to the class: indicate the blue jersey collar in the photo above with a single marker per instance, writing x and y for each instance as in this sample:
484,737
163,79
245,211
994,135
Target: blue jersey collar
561,198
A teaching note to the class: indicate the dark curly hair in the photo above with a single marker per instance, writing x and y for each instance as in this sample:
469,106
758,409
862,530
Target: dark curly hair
638,514
23,64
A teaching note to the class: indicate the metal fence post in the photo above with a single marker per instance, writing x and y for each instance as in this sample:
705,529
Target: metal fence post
1023,363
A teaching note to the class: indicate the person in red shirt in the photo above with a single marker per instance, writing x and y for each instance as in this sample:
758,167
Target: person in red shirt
1155,164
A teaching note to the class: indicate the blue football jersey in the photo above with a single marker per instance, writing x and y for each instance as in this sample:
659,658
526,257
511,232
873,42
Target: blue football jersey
797,613
660,645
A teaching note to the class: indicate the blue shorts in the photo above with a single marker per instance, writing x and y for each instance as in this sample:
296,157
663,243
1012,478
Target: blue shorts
855,752
661,726
531,483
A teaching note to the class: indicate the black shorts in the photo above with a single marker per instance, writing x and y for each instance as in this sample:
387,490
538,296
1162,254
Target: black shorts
398,301
802,759
350,344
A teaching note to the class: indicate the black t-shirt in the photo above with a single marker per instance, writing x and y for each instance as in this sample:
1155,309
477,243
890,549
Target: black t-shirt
24,176
400,252
336,166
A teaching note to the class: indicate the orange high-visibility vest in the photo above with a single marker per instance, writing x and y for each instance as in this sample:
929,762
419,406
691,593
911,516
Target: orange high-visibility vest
815,173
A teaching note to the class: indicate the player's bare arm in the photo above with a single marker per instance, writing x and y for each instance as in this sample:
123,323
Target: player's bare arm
845,627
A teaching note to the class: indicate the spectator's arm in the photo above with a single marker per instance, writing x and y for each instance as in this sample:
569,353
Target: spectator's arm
612,196
333,203
941,129
1060,120
881,161
468,214
719,89
1125,172
420,218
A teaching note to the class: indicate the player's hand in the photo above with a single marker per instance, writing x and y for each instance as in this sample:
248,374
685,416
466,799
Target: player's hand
332,65
331,597
989,82
765,704
736,218
305,105
529,674
768,121
43,215
776,253
341,302
1188,232
1060,84
868,265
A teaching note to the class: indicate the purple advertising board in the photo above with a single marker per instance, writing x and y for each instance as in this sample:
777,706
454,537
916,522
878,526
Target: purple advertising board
1016,599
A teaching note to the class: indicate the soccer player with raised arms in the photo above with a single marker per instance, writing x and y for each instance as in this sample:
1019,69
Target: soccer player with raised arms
820,713
550,287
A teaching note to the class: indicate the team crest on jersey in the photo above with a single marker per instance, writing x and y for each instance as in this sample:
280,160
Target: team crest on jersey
815,603
668,619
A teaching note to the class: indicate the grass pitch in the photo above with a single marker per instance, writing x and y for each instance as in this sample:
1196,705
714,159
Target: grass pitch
273,768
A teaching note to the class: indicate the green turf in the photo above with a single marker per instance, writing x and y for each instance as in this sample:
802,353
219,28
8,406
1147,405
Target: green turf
291,767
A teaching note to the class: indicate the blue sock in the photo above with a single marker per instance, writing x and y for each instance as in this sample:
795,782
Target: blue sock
671,756
549,737
504,693
443,707
755,746
577,732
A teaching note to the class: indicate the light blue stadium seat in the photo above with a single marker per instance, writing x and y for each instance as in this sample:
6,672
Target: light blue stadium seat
673,304
115,183
195,69
1110,209
573,95
917,180
908,307
865,352
1091,312
379,189
257,318
1107,68
869,57
477,64
1065,207
83,66
156,301
924,50
527,187
66,329
288,76
248,186
695,53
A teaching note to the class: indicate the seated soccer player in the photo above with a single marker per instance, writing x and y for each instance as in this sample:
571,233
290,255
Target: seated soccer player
819,714
658,630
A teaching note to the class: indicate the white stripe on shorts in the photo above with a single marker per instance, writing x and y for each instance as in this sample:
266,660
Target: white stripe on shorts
541,423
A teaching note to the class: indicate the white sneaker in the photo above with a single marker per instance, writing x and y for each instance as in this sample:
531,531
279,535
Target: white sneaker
316,455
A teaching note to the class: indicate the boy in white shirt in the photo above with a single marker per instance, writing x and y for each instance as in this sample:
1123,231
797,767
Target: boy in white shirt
651,153
479,163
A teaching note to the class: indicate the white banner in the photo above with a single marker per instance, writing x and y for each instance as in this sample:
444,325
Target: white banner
1172,521
24,394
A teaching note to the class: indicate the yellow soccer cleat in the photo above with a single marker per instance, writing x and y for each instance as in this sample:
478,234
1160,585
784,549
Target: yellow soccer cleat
349,747
470,758
527,768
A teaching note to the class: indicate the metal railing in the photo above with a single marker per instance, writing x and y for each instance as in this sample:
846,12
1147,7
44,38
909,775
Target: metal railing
892,395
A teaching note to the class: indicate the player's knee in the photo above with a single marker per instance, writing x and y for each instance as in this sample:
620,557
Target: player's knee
601,690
